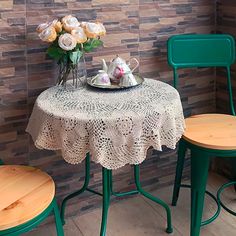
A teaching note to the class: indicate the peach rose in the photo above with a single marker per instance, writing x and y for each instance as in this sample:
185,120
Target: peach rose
58,26
79,34
69,23
102,29
67,42
42,27
94,30
48,35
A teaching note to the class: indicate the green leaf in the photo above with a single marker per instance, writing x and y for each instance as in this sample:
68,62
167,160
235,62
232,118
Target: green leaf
55,52
75,56
92,44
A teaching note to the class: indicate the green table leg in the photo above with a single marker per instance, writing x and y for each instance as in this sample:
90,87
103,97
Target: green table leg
85,186
179,171
199,173
106,174
154,199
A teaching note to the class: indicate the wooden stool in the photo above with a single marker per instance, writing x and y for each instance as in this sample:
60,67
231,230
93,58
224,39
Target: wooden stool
27,198
206,135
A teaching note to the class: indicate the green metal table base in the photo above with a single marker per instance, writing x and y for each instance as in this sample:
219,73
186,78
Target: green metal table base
200,159
108,192
20,229
221,189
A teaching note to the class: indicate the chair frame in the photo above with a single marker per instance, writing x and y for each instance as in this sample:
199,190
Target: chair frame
200,156
31,224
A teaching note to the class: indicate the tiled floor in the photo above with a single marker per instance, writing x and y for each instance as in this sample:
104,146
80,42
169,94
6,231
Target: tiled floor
138,217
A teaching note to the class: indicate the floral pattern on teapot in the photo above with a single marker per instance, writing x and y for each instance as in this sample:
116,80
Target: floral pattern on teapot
119,68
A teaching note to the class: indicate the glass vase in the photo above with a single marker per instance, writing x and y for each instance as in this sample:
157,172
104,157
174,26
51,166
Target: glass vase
72,76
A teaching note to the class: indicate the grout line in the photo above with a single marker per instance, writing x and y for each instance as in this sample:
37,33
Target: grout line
81,233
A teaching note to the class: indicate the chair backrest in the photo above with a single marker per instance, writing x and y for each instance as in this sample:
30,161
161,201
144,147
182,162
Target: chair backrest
202,50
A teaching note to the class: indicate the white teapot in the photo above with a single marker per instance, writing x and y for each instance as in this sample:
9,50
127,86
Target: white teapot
118,68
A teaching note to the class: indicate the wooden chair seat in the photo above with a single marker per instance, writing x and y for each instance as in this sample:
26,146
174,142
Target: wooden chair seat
214,131
25,192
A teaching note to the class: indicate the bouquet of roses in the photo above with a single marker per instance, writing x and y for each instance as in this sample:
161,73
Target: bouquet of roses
69,39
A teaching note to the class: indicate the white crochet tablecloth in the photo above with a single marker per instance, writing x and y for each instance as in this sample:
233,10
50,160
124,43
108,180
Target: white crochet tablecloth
116,127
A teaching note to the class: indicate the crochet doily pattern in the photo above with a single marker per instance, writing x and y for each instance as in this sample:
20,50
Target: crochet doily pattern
116,127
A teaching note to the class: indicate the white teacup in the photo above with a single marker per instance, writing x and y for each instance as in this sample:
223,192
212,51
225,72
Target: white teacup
127,80
101,78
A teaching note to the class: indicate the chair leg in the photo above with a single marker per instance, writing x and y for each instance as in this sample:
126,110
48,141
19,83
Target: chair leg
199,173
179,171
59,226
106,175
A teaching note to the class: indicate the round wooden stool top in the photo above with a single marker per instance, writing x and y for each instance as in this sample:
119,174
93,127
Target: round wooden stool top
214,131
25,192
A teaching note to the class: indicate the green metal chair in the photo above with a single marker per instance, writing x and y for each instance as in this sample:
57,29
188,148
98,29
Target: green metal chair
27,198
206,135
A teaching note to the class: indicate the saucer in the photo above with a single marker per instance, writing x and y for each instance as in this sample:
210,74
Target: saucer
114,86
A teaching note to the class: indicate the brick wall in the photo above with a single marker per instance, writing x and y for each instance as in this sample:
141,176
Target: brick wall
137,28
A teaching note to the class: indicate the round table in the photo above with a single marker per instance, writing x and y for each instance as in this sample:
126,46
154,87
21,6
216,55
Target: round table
115,128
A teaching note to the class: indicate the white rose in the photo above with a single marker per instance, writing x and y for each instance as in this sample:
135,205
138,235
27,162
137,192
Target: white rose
67,42
70,22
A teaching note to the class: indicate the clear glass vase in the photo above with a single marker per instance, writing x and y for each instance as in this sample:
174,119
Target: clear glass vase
72,76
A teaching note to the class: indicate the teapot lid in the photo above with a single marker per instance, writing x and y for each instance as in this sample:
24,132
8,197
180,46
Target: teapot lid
118,60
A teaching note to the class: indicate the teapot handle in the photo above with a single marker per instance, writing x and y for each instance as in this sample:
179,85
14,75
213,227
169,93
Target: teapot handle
137,63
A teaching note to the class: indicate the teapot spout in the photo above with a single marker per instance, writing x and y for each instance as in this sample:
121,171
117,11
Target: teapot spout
104,65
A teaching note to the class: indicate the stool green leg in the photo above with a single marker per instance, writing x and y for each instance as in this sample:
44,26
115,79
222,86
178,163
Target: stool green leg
179,171
154,199
85,186
233,164
56,212
220,190
199,173
106,174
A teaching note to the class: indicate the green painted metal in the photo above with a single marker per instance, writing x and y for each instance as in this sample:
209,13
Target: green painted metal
120,194
220,190
23,228
206,222
169,228
199,161
179,171
186,51
106,200
93,191
201,50
78,192
1,162
108,192
230,91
